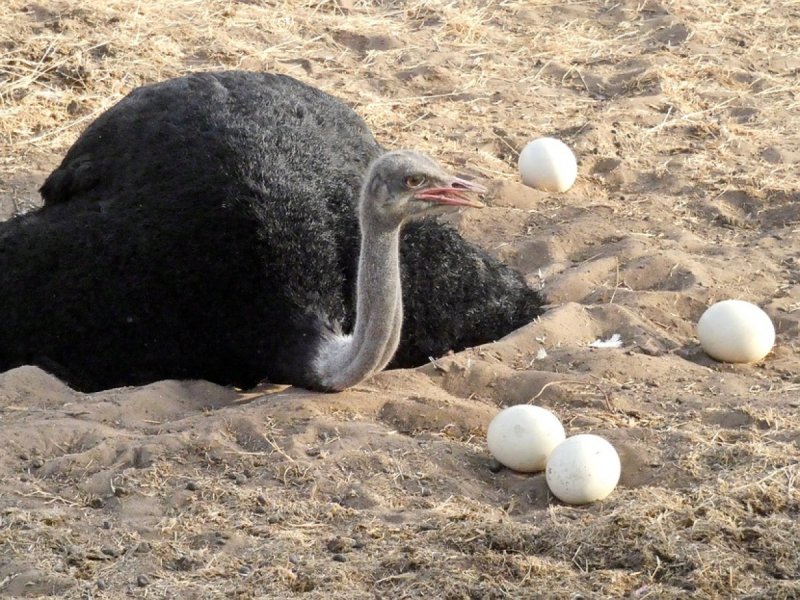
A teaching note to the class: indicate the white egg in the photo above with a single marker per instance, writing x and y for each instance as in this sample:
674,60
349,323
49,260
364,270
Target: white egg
548,164
736,331
521,437
583,469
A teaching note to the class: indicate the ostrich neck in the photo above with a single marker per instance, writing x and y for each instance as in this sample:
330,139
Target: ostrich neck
343,361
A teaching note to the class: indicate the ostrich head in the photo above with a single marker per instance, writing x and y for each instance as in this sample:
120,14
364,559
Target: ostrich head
404,184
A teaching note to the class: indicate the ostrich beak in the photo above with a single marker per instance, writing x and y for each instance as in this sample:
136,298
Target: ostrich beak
453,194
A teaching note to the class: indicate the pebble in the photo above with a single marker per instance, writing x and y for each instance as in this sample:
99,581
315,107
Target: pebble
245,570
37,463
186,563
495,466
143,548
142,580
339,558
143,457
337,545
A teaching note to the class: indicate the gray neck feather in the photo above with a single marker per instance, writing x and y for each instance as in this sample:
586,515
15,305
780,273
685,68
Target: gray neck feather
343,361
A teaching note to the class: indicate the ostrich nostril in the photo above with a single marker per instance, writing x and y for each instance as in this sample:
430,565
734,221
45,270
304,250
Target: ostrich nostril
470,186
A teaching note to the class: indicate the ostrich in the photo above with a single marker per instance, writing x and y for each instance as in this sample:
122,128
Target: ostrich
208,227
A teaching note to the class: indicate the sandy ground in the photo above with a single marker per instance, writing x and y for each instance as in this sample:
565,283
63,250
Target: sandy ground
685,117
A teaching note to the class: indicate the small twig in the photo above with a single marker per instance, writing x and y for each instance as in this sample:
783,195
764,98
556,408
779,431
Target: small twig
549,383
616,284
395,577
48,496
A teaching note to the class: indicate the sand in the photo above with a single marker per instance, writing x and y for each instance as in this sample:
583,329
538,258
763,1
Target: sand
685,118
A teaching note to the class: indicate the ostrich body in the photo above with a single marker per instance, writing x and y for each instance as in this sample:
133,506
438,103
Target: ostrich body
208,227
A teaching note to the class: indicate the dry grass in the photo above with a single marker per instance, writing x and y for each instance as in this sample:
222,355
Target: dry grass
698,105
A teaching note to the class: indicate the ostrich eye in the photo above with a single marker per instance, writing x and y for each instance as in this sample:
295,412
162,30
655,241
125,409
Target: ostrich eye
414,181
